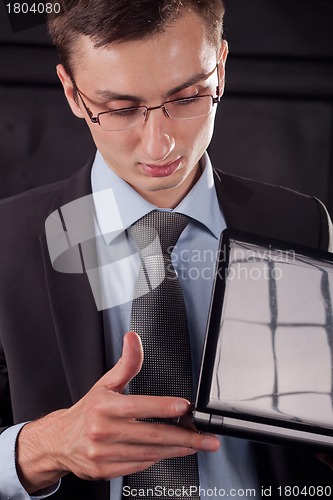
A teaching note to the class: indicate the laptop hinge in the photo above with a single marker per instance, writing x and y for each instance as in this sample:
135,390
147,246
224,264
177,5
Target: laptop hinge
207,422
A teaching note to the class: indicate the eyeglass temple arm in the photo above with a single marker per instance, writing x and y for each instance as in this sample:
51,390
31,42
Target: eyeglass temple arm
217,99
93,118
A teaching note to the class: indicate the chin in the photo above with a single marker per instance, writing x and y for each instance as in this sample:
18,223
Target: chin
163,183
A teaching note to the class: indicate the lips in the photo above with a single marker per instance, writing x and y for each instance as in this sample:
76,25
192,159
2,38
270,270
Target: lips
160,170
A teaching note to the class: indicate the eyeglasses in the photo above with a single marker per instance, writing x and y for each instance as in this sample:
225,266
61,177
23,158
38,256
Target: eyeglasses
185,108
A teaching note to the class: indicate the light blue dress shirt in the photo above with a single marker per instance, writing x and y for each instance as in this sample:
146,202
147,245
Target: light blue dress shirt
10,486
231,468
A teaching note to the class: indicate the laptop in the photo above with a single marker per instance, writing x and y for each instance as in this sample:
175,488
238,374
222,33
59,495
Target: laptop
267,366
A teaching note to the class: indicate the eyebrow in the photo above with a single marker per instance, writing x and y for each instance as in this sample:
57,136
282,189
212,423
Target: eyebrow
109,95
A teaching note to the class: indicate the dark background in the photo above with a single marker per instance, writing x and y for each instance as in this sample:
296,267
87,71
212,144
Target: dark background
274,123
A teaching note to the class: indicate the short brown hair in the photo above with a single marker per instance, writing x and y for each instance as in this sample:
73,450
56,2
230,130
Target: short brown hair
107,21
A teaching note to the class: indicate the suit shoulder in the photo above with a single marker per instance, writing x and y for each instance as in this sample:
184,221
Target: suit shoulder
275,211
26,212
35,194
252,187
37,197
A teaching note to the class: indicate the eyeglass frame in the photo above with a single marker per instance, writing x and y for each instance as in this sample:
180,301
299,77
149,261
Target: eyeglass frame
95,119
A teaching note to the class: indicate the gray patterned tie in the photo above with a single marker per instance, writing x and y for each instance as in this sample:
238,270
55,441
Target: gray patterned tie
159,317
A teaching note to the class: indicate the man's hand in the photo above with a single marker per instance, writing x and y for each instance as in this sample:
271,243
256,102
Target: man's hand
100,437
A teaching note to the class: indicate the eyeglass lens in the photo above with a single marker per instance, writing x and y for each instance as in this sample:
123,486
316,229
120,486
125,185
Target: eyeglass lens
180,109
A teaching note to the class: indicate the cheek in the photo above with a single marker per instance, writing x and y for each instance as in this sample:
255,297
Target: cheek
115,143
200,136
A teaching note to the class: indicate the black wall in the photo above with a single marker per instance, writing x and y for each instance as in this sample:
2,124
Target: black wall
274,123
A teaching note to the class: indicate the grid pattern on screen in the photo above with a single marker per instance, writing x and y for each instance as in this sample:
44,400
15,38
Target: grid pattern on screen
275,351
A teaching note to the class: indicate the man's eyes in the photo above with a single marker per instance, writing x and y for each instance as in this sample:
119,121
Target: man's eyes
125,111
182,102
186,101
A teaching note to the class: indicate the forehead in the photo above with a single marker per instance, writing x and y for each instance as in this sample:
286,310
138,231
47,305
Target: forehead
162,61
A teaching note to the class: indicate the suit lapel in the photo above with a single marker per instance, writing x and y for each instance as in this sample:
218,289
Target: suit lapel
77,322
235,201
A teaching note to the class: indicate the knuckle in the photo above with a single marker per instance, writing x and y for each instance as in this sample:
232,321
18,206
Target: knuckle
150,454
155,437
98,406
191,441
129,407
92,455
95,432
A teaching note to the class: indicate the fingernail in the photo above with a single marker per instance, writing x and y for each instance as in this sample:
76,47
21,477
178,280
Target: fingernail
182,407
210,444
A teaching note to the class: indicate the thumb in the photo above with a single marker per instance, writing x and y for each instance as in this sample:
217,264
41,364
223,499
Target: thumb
127,366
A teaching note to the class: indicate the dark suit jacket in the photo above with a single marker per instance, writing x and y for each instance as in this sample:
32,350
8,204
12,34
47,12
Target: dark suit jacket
51,334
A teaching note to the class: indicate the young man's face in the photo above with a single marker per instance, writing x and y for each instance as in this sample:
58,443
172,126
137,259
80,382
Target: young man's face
158,158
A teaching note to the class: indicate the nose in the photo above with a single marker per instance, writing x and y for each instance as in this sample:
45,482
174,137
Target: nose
157,137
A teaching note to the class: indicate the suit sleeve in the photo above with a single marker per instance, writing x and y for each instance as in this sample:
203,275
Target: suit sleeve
6,417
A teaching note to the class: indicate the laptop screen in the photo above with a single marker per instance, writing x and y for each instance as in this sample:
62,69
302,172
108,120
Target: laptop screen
272,331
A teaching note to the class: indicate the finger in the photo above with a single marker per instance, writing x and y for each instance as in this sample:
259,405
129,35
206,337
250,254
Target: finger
127,366
130,459
143,407
111,470
161,435
126,468
144,453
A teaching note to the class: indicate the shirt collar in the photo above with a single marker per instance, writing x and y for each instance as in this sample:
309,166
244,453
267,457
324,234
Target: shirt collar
201,203
113,195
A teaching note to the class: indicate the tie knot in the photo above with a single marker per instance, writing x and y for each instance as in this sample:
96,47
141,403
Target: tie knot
167,226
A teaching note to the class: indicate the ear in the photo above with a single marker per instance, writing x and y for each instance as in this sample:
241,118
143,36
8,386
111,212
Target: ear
67,84
222,59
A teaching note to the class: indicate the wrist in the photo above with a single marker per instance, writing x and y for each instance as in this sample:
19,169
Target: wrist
38,457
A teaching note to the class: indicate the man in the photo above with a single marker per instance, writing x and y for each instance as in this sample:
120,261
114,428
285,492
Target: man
57,352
